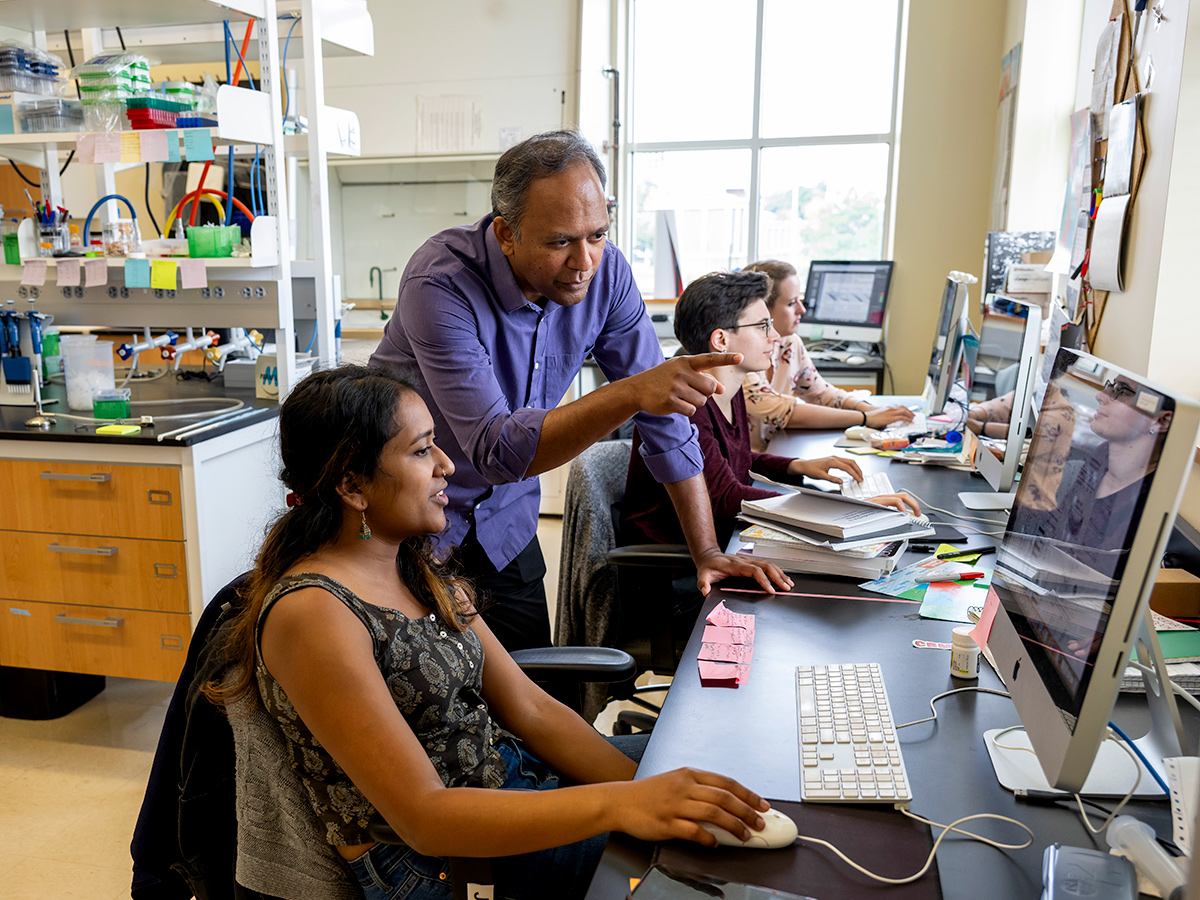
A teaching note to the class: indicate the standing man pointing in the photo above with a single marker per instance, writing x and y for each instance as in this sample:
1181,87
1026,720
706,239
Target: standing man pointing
498,317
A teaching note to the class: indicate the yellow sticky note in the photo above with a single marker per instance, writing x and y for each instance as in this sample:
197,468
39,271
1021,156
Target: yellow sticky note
162,274
131,147
862,451
118,429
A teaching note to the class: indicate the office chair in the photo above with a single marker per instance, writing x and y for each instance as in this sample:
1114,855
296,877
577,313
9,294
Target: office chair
185,841
611,595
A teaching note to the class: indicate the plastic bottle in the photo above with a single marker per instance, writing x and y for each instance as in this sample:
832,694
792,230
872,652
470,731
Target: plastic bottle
1136,840
964,653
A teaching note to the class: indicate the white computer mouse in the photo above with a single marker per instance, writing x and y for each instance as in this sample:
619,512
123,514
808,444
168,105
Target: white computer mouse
860,432
854,359
780,831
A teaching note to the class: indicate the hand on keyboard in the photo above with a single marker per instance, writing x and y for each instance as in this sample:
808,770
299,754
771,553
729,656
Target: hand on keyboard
820,469
877,488
881,418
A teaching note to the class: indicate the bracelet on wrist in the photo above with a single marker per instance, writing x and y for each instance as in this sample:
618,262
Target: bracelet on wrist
864,415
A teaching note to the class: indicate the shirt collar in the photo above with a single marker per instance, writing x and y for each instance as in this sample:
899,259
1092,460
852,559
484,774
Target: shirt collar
504,282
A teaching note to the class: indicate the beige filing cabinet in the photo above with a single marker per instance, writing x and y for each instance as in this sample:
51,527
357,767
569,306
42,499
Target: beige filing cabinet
108,553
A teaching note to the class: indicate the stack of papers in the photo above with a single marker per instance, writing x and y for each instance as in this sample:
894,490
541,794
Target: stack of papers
726,648
833,517
792,554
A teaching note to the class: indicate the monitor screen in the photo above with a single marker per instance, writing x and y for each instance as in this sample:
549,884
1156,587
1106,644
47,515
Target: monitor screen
946,356
846,300
1092,511
953,305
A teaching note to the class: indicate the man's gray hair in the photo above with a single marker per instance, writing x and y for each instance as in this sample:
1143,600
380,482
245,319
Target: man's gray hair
537,157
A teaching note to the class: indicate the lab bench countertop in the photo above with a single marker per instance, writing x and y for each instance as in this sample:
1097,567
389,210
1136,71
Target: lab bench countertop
13,418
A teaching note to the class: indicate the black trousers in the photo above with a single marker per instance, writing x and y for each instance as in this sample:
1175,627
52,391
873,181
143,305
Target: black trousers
514,599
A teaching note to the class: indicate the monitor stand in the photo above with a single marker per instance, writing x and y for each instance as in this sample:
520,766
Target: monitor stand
1111,775
987,500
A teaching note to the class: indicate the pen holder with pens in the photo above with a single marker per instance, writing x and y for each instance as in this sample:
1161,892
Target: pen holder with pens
54,239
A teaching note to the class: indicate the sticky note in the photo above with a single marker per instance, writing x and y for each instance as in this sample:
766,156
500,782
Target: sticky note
723,615
68,272
137,273
131,147
154,146
118,429
173,146
723,635
108,147
734,653
162,274
34,273
197,144
85,148
193,274
95,272
715,674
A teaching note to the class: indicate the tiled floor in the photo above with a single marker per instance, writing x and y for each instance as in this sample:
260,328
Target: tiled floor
71,788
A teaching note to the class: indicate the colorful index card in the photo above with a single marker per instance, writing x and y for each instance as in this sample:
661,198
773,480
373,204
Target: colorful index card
108,147
137,273
162,274
34,272
131,147
197,144
68,272
173,146
723,635
193,274
715,674
154,145
85,148
95,272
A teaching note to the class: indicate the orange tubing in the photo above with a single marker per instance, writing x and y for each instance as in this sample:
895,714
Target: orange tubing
237,70
190,196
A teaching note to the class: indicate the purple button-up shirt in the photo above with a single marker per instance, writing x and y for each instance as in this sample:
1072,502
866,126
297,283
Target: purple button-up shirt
492,363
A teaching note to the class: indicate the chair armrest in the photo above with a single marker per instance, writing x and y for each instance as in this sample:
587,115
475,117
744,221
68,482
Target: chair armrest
575,664
656,555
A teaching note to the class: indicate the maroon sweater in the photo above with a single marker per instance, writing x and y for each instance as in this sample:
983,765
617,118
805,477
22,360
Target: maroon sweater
648,515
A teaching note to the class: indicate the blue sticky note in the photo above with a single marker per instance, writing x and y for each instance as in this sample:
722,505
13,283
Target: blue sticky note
137,273
197,144
6,119
173,146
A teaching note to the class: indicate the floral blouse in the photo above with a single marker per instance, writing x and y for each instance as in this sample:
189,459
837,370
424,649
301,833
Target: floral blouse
435,675
792,379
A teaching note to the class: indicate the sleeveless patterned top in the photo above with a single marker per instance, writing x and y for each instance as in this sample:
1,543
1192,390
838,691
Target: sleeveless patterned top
435,675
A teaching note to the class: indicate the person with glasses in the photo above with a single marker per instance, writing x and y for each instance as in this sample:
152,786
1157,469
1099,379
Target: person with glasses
726,312
790,392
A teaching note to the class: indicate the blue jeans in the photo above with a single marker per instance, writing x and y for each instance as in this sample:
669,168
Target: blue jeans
396,872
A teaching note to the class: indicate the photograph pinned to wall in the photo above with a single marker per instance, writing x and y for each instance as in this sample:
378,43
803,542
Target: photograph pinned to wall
1079,187
1004,248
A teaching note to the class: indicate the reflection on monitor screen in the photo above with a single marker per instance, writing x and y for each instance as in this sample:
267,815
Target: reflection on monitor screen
846,300
1091,516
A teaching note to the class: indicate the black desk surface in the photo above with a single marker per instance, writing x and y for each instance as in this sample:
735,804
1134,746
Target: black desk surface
750,733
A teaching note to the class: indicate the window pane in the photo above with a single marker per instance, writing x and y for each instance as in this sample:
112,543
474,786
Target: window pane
706,192
827,68
822,203
694,64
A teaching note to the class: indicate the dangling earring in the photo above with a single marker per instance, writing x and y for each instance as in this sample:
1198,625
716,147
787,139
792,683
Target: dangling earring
365,531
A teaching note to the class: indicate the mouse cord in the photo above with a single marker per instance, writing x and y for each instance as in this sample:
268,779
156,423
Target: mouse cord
955,515
946,829
962,690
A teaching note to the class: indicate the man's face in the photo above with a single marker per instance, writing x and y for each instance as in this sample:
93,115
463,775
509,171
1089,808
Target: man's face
563,234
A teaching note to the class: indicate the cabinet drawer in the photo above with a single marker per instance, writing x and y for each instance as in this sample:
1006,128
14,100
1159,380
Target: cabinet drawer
86,498
93,640
66,568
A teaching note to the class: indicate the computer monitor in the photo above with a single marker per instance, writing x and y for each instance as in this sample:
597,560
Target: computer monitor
952,326
1074,571
1000,471
845,301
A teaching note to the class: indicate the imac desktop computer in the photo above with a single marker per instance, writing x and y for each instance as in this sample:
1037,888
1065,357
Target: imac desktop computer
1074,571
845,301
945,359
1000,471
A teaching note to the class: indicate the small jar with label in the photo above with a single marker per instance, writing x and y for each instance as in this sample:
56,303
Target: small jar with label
964,653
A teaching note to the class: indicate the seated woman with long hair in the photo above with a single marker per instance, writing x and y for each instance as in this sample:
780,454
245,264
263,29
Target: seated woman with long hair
393,696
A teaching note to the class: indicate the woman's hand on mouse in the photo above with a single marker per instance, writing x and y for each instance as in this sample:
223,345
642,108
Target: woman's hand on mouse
672,805
820,469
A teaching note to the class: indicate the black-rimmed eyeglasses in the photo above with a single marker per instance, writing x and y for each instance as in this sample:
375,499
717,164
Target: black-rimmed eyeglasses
765,325
1118,389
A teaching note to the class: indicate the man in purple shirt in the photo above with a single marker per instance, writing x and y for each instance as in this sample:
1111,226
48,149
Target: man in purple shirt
498,317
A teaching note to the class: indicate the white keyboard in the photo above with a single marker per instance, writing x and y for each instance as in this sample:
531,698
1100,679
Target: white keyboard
872,485
919,425
849,752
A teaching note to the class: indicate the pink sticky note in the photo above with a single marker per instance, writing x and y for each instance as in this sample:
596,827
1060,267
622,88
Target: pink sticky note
720,634
85,148
68,272
108,147
95,272
192,274
34,273
716,674
983,628
734,653
723,615
154,145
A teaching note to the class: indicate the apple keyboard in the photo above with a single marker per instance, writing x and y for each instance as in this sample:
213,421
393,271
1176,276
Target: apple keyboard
872,485
849,752
919,425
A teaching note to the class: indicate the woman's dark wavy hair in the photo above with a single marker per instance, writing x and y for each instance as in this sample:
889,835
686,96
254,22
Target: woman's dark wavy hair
334,424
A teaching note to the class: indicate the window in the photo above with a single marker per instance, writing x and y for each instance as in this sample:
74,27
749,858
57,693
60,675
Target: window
758,128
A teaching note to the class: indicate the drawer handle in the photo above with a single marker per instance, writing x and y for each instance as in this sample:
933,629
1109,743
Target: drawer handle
108,622
163,498
87,551
165,570
170,642
63,476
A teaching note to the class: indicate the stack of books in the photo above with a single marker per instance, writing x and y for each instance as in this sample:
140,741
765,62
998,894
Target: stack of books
813,531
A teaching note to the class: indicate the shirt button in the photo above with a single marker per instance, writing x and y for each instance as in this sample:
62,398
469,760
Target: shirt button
441,634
